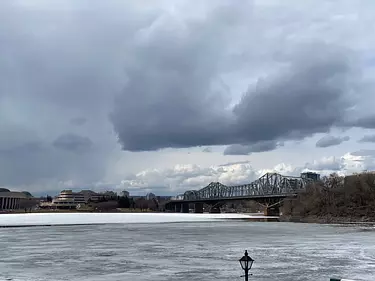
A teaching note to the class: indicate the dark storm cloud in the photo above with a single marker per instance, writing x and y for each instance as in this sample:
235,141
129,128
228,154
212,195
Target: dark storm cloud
170,102
238,149
328,141
367,122
171,98
170,62
72,142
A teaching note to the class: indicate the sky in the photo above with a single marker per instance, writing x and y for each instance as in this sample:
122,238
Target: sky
168,96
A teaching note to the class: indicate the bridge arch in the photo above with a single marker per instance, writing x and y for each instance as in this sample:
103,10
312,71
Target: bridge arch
190,195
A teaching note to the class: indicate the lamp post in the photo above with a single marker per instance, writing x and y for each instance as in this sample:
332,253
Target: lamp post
246,262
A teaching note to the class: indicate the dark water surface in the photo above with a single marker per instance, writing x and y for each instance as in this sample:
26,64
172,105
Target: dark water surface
186,251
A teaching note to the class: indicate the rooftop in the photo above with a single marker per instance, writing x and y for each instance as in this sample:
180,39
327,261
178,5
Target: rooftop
12,194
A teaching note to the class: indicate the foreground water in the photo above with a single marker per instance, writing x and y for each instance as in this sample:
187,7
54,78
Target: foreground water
186,251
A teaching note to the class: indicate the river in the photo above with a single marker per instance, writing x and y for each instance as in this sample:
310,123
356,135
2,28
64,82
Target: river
186,251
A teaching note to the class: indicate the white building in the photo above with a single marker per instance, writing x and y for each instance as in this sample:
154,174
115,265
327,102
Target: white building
68,199
10,200
90,195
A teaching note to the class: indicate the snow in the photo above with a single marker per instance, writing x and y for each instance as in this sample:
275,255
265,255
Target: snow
42,219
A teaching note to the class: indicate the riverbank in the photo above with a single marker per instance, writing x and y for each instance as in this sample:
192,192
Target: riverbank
334,200
329,220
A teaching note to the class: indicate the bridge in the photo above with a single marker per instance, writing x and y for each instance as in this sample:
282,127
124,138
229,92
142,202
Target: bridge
269,191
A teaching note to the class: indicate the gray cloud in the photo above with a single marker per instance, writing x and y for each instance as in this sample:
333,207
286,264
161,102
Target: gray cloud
368,138
367,122
364,152
78,121
328,141
364,158
72,142
234,163
169,75
35,164
239,149
52,69
330,164
171,102
171,97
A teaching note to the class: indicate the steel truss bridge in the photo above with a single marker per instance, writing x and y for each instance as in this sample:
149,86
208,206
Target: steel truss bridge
268,186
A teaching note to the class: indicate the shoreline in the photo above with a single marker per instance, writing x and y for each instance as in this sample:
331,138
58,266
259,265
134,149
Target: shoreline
365,221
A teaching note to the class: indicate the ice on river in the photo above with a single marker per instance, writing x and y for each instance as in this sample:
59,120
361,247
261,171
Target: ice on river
42,219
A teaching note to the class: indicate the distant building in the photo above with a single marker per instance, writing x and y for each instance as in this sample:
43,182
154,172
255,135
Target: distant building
10,200
90,196
150,196
67,199
310,175
108,195
125,193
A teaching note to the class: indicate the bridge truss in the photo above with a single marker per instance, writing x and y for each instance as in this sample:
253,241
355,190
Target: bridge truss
270,184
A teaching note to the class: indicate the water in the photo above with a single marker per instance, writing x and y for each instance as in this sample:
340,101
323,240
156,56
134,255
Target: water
186,251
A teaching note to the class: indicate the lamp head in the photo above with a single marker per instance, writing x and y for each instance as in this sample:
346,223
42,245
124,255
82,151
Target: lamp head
246,261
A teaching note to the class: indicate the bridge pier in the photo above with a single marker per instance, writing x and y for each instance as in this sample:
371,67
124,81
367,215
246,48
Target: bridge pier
272,211
177,208
198,208
185,208
215,210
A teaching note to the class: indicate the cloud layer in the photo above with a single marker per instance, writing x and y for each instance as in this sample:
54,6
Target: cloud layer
328,141
79,82
173,102
188,177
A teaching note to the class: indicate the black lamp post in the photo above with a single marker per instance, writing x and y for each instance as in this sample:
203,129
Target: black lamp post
246,262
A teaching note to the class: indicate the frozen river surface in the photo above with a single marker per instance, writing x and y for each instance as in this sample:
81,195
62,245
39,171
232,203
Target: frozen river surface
206,250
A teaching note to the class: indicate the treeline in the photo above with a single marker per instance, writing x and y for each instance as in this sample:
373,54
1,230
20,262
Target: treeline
127,203
335,197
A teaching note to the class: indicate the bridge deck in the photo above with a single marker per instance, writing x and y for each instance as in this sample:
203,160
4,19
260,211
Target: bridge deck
255,197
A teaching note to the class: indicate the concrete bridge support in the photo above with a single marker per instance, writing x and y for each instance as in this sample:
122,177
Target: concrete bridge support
185,208
272,211
177,208
215,210
198,208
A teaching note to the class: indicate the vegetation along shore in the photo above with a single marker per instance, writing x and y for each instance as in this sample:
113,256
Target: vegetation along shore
334,199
